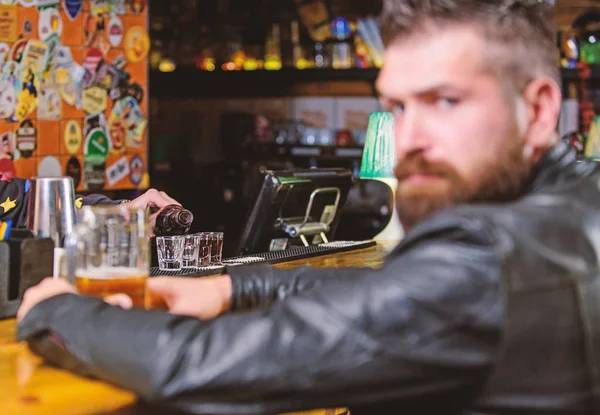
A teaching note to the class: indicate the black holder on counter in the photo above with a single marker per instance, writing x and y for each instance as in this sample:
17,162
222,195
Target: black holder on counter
24,262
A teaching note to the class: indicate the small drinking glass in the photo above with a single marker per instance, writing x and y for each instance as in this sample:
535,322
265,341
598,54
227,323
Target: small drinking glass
203,249
170,252
216,248
191,246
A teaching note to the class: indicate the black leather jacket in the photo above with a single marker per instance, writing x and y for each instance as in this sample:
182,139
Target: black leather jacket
480,310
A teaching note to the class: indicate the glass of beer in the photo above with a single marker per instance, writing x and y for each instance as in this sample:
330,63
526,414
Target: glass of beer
109,252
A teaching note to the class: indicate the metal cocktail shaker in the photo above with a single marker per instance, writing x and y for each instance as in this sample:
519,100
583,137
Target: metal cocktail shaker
51,208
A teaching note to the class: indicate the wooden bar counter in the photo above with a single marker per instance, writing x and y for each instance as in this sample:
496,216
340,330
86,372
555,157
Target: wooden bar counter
28,386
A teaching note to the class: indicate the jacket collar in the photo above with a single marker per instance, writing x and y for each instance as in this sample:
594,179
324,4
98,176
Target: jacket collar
558,164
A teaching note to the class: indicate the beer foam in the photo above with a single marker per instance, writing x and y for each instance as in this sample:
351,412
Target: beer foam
112,273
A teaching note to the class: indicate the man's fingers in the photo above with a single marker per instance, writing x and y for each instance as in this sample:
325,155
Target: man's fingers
181,310
165,290
23,309
169,199
153,199
47,288
161,286
120,300
159,199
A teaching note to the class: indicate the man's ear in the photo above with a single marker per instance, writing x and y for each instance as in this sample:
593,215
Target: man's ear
543,99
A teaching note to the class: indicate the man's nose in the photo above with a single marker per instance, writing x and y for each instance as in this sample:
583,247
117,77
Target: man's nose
410,134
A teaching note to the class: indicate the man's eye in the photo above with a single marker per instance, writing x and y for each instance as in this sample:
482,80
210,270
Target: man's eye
397,109
444,102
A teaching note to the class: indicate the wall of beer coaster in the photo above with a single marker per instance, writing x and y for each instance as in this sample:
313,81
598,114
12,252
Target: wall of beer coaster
73,91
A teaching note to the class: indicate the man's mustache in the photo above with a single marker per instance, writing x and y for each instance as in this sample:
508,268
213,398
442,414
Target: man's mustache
418,165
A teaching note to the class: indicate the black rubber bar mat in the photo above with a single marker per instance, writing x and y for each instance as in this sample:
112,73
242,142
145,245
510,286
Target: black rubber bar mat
292,254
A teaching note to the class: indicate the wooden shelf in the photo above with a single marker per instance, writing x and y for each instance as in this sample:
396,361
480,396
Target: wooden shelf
193,83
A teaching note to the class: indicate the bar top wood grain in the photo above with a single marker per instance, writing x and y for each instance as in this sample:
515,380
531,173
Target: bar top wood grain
28,386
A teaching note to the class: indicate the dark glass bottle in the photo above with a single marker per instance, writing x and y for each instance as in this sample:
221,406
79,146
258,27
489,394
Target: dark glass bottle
173,220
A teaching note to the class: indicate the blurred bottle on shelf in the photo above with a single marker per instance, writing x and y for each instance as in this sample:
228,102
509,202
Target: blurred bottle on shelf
252,60
590,49
369,32
362,55
286,44
235,55
273,48
569,51
321,55
299,60
204,56
205,60
341,47
156,53
343,138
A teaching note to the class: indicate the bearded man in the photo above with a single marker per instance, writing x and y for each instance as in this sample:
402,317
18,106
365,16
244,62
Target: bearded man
489,305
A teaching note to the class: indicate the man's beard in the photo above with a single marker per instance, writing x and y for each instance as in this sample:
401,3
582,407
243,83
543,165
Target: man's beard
504,181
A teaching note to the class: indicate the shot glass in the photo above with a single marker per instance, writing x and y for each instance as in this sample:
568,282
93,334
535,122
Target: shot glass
203,249
170,252
216,248
191,246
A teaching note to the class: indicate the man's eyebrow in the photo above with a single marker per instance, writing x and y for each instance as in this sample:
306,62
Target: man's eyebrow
423,91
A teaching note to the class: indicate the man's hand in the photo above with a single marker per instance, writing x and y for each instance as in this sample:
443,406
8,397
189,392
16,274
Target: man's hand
152,199
49,287
203,298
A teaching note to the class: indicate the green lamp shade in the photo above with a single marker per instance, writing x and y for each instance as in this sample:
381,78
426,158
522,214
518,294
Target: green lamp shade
379,155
